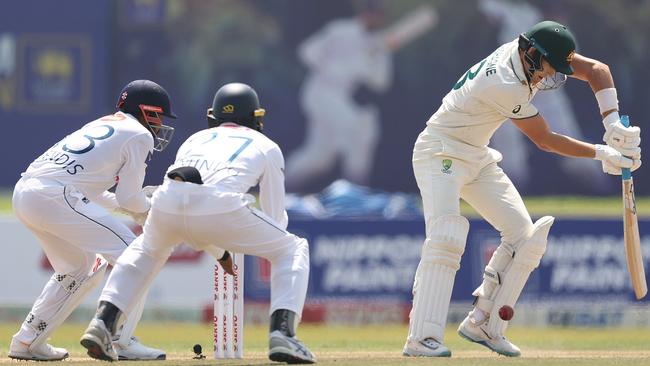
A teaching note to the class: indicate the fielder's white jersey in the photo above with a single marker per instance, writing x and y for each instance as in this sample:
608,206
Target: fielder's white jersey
343,54
232,159
489,93
112,149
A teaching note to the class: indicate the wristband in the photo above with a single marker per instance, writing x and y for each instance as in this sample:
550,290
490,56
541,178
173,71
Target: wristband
607,99
611,119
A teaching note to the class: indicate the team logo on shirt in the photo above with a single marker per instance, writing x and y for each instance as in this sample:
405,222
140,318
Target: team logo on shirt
446,165
517,109
228,108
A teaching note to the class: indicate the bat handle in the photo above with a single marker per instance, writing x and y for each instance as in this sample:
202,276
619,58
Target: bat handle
626,174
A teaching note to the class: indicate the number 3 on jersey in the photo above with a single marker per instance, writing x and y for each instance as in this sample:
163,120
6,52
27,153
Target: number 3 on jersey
86,142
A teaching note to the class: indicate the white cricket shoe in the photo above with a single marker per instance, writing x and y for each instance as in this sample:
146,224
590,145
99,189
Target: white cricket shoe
41,352
137,351
288,349
97,340
477,333
428,347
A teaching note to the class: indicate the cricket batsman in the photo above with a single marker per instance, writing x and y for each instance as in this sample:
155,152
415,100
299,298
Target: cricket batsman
452,160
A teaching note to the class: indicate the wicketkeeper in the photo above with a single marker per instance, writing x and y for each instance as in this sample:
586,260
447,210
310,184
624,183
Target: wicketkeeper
452,160
63,199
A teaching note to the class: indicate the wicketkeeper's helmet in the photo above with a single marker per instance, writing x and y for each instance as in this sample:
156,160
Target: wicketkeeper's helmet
146,99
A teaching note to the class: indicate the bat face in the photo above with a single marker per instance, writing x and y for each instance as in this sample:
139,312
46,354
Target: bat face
632,240
628,196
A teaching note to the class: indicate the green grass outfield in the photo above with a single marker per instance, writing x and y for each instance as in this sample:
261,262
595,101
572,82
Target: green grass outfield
563,206
377,345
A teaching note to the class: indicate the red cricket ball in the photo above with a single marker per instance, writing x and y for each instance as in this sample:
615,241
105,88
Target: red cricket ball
506,312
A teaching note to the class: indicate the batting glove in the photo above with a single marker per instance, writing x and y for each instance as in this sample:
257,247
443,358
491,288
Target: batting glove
624,139
614,170
612,160
149,190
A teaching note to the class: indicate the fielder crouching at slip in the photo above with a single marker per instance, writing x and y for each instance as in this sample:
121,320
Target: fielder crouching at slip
452,160
229,157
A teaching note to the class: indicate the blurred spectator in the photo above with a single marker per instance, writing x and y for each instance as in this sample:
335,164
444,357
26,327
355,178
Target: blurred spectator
343,56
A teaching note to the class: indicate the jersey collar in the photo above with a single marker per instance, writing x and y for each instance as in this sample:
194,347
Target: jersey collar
516,65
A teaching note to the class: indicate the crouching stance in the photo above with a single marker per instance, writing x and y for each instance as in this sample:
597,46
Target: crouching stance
209,208
452,160
63,199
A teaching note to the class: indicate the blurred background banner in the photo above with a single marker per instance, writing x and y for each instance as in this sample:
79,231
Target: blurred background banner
362,272
55,72
347,85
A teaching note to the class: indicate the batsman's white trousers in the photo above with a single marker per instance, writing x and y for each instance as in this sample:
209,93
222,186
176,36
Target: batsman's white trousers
479,181
178,214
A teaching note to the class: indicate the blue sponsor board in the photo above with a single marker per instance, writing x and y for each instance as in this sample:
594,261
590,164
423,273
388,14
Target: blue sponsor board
55,72
358,260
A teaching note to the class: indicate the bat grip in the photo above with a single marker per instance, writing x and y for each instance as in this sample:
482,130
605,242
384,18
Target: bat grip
626,174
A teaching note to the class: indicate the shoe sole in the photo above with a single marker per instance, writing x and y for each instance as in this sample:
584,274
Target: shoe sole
287,358
95,350
445,354
14,357
284,355
159,358
487,345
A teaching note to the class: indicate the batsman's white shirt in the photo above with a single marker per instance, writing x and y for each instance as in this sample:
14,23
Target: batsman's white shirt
489,93
216,215
451,157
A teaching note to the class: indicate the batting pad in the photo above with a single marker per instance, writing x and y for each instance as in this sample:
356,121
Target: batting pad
493,276
525,260
434,278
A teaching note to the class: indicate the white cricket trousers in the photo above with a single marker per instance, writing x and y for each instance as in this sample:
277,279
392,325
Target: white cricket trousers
70,228
242,230
71,231
482,184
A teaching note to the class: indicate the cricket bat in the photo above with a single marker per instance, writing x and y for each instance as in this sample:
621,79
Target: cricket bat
410,27
631,236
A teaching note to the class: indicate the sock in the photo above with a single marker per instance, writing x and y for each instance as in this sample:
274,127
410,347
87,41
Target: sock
477,315
283,320
108,313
